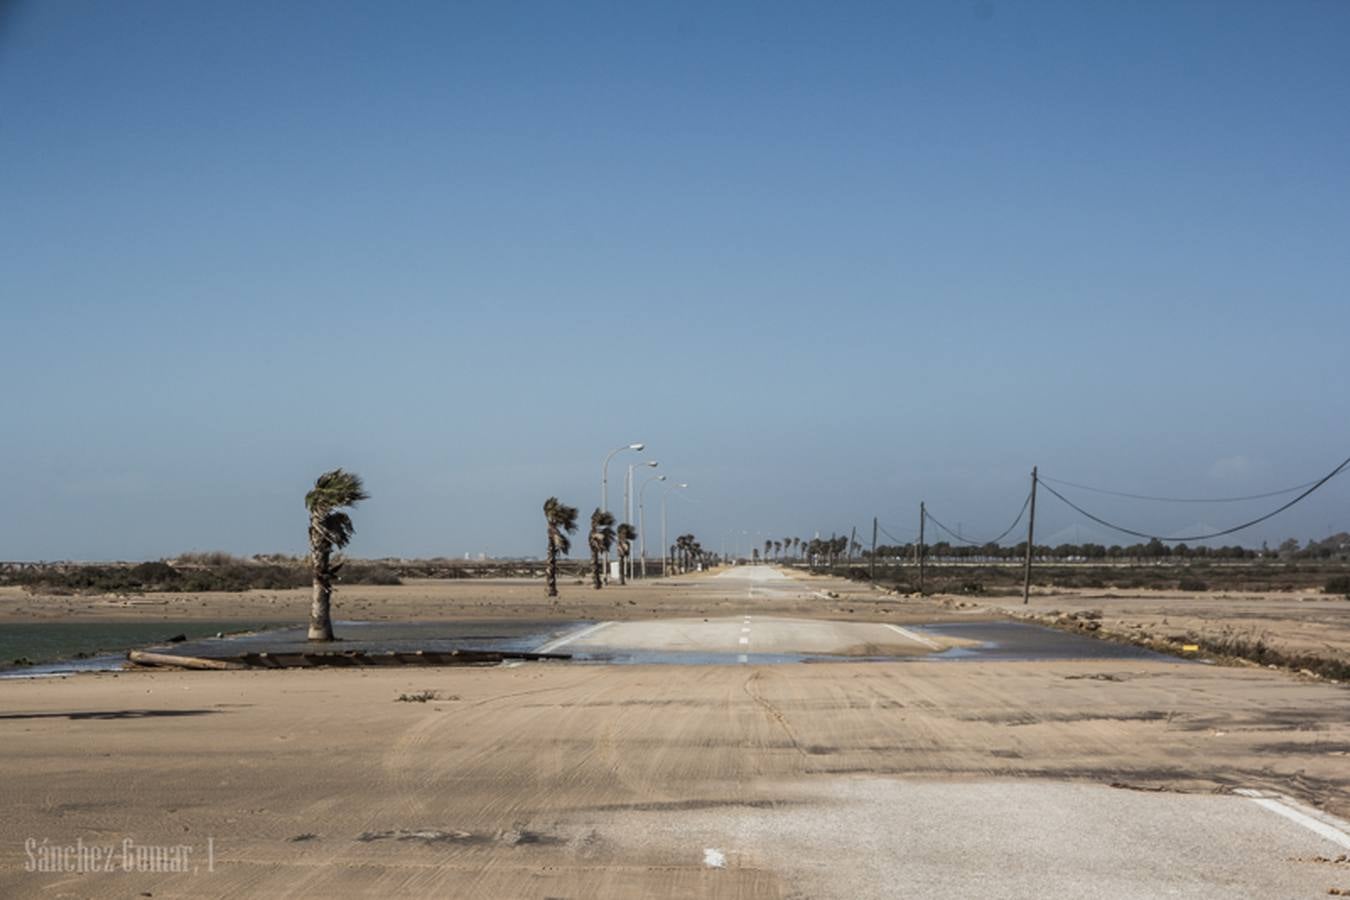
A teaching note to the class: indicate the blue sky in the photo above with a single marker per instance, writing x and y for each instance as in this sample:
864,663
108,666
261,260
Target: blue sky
825,259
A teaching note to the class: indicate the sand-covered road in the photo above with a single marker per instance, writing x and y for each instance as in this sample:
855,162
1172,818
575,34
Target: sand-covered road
1106,777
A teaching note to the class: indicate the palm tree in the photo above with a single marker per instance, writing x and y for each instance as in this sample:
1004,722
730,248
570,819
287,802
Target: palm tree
562,521
768,546
624,541
329,528
778,549
601,539
683,544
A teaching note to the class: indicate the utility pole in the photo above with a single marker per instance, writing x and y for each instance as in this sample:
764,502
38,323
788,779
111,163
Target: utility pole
872,566
1031,540
923,517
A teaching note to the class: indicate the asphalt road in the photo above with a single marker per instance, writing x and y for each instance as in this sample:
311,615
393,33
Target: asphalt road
868,838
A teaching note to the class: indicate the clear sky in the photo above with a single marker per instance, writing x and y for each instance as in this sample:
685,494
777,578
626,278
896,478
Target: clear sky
826,259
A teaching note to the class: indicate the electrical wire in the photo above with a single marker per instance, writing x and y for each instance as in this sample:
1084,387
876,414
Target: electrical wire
1006,531
898,542
1095,490
1204,537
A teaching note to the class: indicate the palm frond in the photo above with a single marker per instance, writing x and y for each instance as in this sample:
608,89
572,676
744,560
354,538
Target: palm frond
559,515
601,518
338,528
336,489
626,532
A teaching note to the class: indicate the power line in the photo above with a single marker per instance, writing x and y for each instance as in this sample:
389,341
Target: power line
966,540
1204,537
891,536
1096,490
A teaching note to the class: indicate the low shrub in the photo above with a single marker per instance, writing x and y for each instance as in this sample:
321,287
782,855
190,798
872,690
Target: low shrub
1338,584
1192,584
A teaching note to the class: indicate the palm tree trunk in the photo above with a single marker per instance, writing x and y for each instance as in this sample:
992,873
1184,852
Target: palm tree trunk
320,610
595,568
551,571
623,568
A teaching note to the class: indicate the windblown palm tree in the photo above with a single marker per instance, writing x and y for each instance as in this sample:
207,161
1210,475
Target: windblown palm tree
624,541
562,521
601,539
768,548
777,549
329,528
682,553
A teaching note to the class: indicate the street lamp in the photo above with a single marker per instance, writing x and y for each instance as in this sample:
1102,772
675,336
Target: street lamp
636,446
628,500
604,471
642,523
665,548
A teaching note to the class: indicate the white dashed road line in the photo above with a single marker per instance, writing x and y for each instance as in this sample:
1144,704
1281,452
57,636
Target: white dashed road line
915,637
569,638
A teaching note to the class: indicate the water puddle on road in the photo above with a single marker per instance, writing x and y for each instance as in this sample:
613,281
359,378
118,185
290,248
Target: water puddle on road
988,641
995,640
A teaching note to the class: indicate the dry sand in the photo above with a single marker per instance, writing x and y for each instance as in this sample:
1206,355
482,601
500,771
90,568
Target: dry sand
554,779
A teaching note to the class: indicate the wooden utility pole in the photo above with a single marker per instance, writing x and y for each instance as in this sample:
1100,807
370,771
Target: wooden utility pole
872,565
1031,540
923,517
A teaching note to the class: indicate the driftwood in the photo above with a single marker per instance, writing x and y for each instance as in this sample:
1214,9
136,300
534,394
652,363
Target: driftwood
147,658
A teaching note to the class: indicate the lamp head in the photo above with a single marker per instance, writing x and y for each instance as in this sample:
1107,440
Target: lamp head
637,446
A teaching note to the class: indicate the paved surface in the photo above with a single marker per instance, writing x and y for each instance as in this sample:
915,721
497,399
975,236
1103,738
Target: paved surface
870,838
749,634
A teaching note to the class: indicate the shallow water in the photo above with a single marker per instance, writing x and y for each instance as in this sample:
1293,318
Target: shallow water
510,635
71,646
105,644
1022,641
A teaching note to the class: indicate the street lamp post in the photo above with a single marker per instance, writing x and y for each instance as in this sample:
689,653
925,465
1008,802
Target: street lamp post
665,548
636,446
628,502
642,522
604,471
